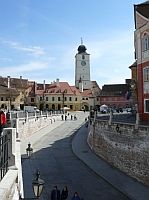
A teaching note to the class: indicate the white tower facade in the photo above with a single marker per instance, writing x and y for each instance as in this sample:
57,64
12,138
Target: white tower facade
82,68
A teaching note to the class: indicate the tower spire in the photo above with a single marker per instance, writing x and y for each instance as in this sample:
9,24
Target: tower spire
81,41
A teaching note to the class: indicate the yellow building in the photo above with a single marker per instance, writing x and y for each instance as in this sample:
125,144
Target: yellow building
13,92
57,95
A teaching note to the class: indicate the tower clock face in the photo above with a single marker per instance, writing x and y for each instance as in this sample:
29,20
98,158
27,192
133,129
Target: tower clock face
83,63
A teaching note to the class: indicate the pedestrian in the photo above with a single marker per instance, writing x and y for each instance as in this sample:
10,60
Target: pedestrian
65,117
71,117
62,117
75,196
86,125
64,193
3,121
55,193
75,118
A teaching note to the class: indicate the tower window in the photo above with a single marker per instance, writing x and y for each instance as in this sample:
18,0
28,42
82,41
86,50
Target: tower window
83,56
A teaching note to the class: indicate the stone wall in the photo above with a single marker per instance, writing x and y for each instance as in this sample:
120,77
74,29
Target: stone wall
126,148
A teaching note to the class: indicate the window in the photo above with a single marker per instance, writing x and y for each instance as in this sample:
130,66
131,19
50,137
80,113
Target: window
145,43
52,98
40,98
32,99
83,56
71,106
146,105
76,99
65,98
146,74
59,98
2,99
70,99
46,98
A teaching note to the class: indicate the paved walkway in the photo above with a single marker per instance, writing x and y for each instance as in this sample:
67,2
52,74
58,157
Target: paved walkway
35,137
129,186
133,189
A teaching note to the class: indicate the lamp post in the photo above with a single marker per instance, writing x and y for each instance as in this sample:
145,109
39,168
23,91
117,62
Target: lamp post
37,185
29,150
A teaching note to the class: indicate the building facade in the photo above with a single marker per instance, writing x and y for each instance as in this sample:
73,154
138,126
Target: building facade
57,95
141,41
13,92
115,96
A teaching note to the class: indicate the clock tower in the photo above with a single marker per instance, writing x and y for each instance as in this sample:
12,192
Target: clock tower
82,68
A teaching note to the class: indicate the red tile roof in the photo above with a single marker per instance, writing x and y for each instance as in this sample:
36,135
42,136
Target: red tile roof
57,88
87,93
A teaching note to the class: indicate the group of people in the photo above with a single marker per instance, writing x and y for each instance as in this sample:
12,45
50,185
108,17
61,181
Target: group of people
63,195
64,117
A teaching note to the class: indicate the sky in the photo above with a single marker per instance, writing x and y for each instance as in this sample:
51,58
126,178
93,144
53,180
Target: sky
39,39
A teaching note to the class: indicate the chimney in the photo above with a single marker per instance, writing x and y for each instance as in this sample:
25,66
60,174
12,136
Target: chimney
8,81
57,81
20,77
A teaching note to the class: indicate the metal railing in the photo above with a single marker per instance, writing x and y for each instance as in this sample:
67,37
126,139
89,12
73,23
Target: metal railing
3,154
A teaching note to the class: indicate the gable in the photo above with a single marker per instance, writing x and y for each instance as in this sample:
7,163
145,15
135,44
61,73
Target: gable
140,20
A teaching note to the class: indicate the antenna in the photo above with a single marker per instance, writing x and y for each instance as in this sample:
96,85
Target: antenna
81,40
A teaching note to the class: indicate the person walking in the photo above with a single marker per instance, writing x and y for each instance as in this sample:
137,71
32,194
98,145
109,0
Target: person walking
55,194
75,196
3,121
75,118
64,193
65,117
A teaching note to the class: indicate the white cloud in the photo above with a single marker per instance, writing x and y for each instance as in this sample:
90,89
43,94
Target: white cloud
25,68
33,50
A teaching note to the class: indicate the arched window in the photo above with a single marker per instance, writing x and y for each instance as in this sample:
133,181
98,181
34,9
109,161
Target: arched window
83,56
145,42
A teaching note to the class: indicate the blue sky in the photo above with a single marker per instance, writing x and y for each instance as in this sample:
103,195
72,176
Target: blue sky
39,39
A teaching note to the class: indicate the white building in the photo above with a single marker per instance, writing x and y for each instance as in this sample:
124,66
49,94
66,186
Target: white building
82,69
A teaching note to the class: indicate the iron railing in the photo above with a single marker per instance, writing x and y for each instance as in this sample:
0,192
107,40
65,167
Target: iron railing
4,154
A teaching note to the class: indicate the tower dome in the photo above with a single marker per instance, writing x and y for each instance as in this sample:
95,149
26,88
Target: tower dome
82,49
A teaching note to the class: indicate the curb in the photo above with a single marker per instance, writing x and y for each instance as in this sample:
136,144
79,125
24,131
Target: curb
97,174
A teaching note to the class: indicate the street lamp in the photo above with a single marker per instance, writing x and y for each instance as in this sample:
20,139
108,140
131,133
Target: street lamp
37,185
29,150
